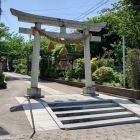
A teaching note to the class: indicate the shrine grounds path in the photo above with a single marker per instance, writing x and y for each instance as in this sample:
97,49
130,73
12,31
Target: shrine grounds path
14,124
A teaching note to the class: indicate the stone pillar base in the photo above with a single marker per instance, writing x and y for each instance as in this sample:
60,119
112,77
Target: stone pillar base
89,91
34,92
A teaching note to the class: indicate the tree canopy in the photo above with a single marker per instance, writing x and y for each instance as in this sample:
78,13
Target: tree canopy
10,43
122,19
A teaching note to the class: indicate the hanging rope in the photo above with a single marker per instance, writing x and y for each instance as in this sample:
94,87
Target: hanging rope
66,41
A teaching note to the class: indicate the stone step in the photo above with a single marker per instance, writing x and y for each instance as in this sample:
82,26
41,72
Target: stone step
81,106
95,117
69,103
89,111
102,123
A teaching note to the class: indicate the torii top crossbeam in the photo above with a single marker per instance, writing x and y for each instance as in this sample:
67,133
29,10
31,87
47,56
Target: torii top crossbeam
31,18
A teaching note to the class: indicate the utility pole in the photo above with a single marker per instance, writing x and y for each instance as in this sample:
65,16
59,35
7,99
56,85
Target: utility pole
123,40
30,37
0,10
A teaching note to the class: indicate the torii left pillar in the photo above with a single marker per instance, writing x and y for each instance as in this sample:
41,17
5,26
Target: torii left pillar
34,91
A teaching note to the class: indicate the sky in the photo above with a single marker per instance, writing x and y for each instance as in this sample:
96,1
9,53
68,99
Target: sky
66,9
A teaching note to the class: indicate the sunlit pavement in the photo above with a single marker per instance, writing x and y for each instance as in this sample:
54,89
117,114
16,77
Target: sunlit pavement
15,124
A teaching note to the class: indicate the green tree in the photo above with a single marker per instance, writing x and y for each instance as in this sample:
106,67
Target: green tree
133,68
11,43
4,35
125,21
122,19
15,47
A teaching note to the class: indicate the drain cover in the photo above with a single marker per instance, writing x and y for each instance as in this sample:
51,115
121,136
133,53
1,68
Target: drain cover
3,131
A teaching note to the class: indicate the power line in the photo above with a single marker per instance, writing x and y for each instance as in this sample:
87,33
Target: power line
87,11
68,8
77,18
93,10
55,29
90,10
8,21
37,10
55,9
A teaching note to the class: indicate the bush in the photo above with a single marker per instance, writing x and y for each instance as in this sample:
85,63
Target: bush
118,78
107,62
50,72
20,68
2,77
93,67
93,60
103,74
133,68
60,73
100,62
80,73
42,67
23,71
80,68
69,74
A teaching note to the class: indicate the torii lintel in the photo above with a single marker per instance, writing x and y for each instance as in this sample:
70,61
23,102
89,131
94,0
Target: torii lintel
31,18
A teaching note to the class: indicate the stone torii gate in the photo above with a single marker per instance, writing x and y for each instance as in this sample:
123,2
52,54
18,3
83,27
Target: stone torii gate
34,91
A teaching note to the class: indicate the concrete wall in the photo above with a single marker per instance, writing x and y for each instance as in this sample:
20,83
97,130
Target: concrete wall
129,93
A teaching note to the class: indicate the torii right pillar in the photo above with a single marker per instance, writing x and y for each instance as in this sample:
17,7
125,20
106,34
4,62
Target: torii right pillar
88,89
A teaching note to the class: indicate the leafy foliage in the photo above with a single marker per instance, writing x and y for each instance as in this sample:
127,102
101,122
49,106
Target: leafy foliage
80,68
69,74
20,66
133,68
43,66
50,72
103,74
11,44
2,77
118,78
122,19
134,4
93,65
108,62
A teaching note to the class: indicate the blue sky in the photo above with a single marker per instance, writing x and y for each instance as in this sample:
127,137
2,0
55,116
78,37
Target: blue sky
66,9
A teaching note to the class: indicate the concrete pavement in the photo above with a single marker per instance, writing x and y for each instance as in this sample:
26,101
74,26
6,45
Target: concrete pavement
16,123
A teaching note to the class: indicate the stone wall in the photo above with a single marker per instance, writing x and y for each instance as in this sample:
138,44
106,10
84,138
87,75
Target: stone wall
129,93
